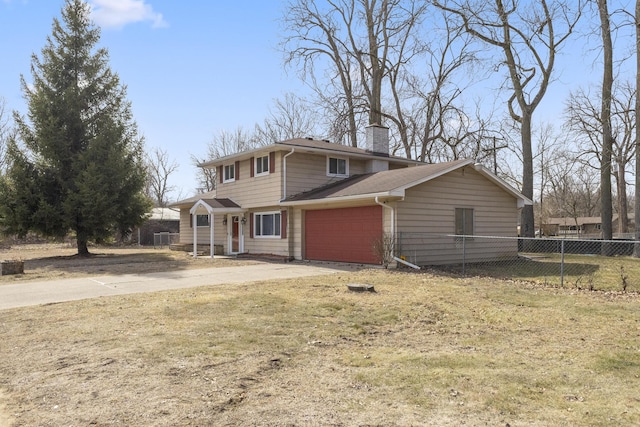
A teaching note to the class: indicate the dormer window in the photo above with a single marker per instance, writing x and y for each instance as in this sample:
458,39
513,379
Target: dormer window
230,173
262,165
337,166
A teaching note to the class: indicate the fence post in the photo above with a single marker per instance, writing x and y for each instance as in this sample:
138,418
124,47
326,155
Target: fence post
464,254
562,263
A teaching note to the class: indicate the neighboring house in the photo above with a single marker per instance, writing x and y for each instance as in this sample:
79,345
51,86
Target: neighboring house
159,220
314,200
583,225
589,226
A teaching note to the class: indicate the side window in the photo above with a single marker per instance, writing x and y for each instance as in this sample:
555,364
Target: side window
202,220
230,173
262,165
464,222
337,166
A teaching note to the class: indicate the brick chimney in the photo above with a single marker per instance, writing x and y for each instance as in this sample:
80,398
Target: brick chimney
377,142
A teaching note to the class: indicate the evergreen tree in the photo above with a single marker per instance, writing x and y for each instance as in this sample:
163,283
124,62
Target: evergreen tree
77,165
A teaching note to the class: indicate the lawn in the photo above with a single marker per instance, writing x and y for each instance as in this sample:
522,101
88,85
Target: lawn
591,272
424,349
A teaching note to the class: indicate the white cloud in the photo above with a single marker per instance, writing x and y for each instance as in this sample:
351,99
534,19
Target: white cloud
118,13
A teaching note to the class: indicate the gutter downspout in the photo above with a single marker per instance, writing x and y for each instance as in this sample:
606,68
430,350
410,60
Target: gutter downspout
284,173
289,209
393,233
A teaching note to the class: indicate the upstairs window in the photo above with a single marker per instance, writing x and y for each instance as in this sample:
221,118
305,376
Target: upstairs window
262,165
337,166
230,173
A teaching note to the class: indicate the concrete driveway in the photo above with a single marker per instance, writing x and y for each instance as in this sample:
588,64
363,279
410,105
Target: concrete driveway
24,294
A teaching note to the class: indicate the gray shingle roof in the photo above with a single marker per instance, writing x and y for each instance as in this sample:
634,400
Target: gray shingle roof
378,182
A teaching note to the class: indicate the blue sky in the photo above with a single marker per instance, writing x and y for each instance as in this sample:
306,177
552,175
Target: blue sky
192,69
196,68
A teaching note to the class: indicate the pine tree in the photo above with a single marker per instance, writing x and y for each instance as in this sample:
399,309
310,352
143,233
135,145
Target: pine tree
77,165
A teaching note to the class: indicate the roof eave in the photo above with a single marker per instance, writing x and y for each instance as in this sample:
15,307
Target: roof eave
301,148
393,194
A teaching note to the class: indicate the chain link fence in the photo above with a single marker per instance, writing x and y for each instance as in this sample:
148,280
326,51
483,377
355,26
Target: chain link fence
585,264
163,239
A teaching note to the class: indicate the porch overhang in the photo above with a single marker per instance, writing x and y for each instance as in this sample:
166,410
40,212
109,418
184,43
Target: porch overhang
210,207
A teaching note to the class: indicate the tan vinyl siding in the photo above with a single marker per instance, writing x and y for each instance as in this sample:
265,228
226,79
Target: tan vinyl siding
308,171
249,191
186,231
429,211
265,245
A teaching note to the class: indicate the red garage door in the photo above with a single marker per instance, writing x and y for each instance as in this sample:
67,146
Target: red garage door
343,234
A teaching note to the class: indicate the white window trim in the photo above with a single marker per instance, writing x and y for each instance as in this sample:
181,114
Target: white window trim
255,166
224,173
255,224
346,166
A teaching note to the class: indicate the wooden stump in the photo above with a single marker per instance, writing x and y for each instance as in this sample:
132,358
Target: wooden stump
11,267
360,287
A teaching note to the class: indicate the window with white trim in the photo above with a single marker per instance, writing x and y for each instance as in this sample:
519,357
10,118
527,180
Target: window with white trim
262,165
230,173
266,224
464,222
337,166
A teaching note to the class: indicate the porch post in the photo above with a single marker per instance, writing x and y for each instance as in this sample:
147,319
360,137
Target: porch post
211,246
194,219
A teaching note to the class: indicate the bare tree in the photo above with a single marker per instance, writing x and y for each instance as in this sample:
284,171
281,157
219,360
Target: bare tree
637,138
159,169
223,144
427,124
573,189
290,118
605,114
363,43
313,36
549,160
5,134
528,36
584,118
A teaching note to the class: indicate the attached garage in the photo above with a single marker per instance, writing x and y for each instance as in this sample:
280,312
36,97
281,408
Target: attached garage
345,234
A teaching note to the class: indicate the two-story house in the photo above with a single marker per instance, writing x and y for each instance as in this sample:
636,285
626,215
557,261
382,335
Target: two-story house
314,200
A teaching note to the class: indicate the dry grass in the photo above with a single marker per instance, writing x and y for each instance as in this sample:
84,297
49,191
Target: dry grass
423,350
580,271
59,261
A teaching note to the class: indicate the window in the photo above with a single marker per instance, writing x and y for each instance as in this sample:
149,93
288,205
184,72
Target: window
337,166
267,224
262,165
229,173
464,221
202,220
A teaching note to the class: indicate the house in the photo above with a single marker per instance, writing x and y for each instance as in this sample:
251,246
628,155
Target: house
585,226
566,226
159,220
314,200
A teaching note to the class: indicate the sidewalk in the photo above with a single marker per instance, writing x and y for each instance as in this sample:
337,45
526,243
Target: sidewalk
24,294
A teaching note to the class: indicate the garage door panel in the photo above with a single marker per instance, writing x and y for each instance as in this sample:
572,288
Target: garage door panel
345,234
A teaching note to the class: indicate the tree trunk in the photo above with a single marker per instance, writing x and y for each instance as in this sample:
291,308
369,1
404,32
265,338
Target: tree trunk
637,147
81,243
606,210
527,225
623,214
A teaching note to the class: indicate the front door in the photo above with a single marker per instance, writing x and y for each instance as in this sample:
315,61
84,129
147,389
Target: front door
235,234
